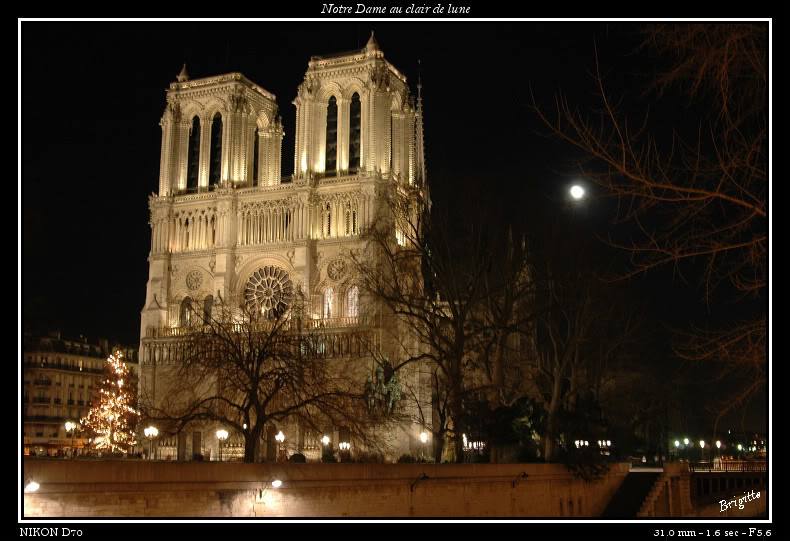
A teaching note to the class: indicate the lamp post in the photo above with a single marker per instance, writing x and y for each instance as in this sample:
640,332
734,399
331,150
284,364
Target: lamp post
151,432
423,439
71,427
280,437
222,435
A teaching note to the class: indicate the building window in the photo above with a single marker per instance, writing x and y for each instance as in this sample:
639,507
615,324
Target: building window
355,133
255,150
215,154
193,155
208,304
331,136
329,303
326,220
353,302
185,317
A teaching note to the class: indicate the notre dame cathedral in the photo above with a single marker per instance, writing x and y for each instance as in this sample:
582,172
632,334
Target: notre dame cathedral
225,220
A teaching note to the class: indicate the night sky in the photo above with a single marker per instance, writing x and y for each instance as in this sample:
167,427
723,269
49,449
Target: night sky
92,95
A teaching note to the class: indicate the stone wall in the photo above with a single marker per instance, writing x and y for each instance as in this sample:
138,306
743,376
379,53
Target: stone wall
94,488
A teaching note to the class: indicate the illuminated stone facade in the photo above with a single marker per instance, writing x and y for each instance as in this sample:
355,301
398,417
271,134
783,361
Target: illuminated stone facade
225,222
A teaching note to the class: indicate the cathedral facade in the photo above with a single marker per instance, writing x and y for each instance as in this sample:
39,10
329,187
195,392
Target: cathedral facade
225,222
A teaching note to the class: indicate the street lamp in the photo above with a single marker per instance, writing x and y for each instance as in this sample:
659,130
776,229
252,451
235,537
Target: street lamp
423,439
280,437
71,427
222,435
325,440
151,432
577,192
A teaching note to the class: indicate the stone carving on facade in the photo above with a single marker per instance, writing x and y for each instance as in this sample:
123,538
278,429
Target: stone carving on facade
238,102
174,270
380,78
269,289
290,254
194,280
336,270
212,263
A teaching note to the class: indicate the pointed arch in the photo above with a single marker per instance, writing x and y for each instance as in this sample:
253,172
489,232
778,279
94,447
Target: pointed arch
330,156
215,151
355,132
208,305
186,313
193,154
352,302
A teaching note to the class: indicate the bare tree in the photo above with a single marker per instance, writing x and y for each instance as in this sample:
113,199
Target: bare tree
428,284
249,365
693,199
582,328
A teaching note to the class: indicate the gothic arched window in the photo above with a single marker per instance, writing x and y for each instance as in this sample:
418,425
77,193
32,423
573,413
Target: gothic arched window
326,220
352,302
331,136
193,154
355,133
208,304
255,157
329,303
215,151
185,316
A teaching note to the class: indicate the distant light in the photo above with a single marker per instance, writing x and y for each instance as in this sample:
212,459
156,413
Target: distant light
31,486
577,192
740,447
685,441
718,444
276,483
702,443
423,437
325,440
677,443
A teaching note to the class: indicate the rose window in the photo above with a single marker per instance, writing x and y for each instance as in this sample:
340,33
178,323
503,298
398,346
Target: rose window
270,289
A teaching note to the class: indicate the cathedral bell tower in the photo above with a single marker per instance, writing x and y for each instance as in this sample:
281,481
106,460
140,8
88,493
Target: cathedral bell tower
354,115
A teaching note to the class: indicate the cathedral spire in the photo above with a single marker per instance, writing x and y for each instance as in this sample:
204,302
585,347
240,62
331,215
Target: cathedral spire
421,173
183,76
372,44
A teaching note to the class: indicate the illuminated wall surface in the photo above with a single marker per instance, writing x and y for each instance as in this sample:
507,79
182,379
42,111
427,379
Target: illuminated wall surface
225,223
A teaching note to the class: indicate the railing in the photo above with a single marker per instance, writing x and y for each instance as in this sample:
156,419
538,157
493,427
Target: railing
291,325
58,366
729,466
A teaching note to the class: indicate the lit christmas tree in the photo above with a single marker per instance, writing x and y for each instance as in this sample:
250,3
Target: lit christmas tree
112,419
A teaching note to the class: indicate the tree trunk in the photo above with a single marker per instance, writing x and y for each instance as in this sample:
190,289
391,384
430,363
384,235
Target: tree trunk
251,442
551,423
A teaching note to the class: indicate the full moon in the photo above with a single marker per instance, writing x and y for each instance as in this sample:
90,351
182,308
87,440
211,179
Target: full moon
577,192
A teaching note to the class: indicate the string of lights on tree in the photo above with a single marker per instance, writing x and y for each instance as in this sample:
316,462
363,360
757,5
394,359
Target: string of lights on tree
112,419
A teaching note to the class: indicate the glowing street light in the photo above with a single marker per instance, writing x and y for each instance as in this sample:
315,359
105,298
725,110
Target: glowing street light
685,441
577,192
222,435
30,486
71,427
423,439
325,440
151,432
280,437
277,483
